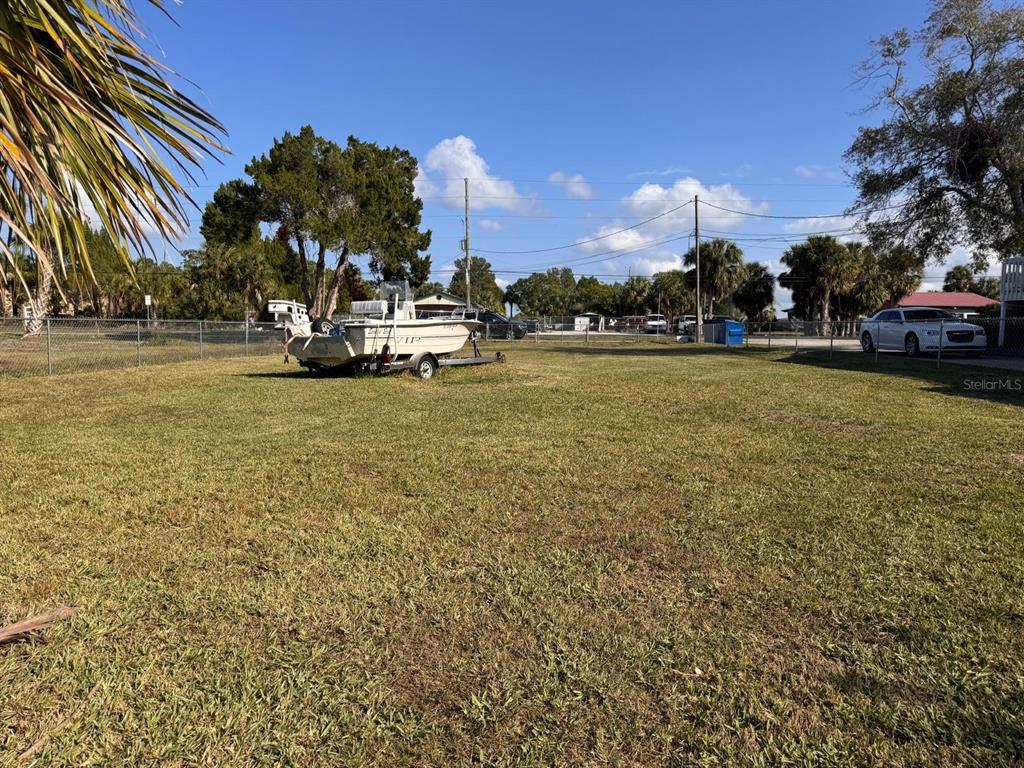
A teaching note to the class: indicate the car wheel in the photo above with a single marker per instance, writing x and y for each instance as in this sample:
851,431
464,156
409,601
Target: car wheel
866,342
911,345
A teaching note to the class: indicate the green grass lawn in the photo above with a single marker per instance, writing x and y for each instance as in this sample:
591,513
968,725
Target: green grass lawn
634,556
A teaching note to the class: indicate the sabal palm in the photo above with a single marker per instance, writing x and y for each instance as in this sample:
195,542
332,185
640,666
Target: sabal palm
721,270
89,120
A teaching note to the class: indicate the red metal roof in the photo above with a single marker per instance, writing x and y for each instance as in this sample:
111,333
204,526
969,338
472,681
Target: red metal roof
946,300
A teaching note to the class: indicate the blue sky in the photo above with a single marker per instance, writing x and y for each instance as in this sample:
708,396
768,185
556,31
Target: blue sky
636,105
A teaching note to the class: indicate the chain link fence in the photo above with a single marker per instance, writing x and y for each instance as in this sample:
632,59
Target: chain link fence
66,345
931,340
570,328
990,339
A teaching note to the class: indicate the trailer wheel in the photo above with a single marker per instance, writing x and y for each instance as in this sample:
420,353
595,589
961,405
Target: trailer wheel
426,367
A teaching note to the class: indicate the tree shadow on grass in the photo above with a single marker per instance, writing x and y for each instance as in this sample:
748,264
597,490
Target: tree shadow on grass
293,374
973,382
636,349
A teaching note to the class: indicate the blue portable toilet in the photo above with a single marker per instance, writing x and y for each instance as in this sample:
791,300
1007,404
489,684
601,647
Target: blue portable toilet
722,330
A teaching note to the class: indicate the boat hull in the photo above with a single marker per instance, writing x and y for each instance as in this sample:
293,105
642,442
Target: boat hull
362,340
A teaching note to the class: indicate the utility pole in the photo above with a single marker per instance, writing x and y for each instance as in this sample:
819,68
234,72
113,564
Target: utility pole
466,242
696,239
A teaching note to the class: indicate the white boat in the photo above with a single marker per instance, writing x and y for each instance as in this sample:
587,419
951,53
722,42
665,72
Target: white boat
386,328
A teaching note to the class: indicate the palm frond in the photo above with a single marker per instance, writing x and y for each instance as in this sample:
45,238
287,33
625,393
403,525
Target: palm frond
88,119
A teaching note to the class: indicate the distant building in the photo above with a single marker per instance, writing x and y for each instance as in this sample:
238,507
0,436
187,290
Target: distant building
959,302
440,302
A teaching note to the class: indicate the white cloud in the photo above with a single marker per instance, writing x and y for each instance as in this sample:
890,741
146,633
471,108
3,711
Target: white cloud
845,229
502,282
575,185
455,159
490,225
815,171
670,171
652,265
650,199
422,185
808,171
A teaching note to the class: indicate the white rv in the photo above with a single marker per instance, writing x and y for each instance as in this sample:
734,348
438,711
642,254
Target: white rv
281,311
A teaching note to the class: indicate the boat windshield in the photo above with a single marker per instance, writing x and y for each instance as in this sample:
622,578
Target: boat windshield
388,289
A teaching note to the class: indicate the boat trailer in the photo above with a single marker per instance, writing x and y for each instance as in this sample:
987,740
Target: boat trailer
423,366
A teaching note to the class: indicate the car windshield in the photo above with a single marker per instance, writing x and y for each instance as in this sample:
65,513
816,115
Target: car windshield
925,315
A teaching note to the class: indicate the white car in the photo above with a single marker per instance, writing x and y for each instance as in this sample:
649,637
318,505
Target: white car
921,329
686,324
655,324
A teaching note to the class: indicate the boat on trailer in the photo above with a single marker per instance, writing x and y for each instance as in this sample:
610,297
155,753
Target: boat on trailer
383,331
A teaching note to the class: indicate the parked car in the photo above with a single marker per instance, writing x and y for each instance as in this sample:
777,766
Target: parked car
655,324
631,323
498,326
921,329
686,324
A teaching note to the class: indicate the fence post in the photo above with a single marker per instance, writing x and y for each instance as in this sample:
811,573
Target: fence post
796,339
586,336
938,357
831,338
770,333
487,330
49,353
200,339
876,339
138,341
247,337
746,334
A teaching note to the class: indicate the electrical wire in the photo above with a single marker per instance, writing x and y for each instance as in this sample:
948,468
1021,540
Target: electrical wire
818,216
593,239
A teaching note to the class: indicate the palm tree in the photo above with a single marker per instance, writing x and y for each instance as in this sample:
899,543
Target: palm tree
89,122
721,271
755,295
819,269
902,272
959,278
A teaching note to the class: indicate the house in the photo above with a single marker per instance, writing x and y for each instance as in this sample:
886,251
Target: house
959,302
1011,291
440,302
1011,286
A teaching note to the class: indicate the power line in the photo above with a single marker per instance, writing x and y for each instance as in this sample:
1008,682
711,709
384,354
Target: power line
638,181
595,239
624,251
818,216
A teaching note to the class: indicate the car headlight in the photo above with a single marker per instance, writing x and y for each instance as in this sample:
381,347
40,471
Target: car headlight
979,331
